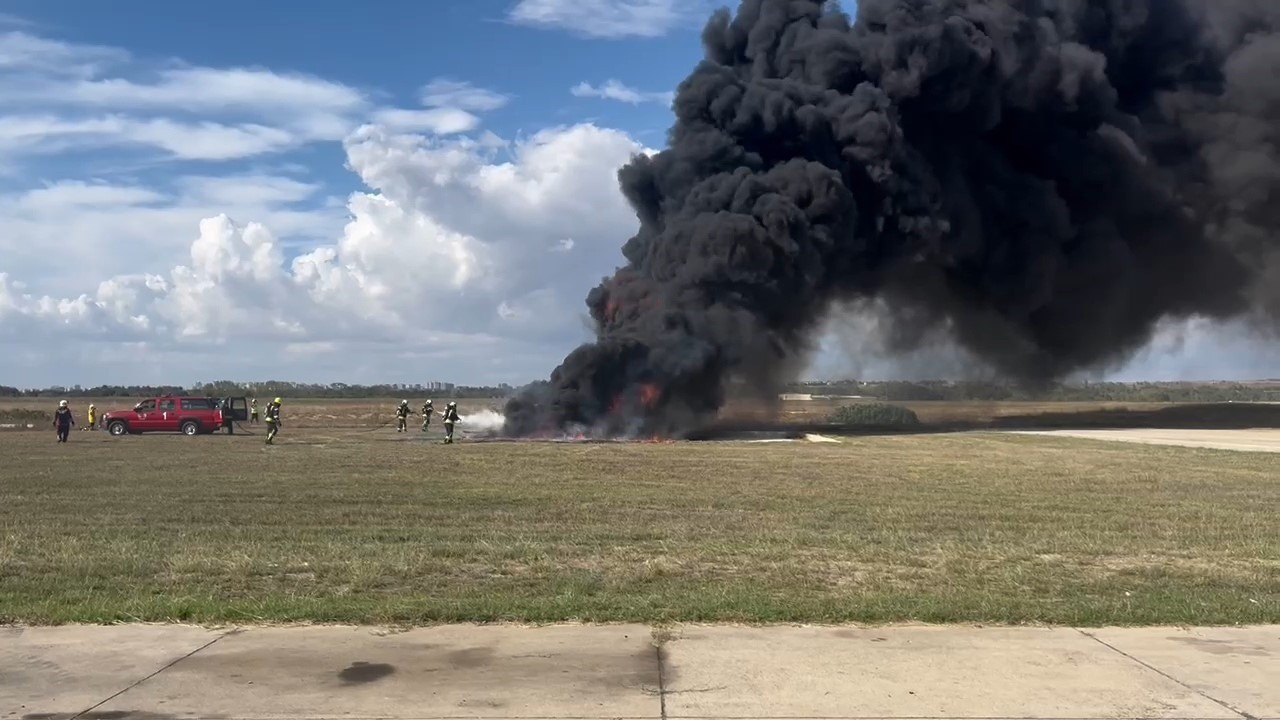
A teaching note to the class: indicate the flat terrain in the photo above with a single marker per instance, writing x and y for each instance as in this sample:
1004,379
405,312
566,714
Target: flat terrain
371,526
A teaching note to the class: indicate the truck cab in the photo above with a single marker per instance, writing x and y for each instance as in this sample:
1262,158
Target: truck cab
187,414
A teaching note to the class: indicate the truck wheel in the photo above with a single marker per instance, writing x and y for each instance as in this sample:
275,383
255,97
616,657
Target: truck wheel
117,428
190,427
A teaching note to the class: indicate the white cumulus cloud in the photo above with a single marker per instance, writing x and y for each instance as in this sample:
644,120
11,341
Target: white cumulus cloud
603,18
59,97
439,121
616,90
35,135
444,92
456,255
22,51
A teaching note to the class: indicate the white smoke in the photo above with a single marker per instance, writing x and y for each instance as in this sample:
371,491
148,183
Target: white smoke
484,421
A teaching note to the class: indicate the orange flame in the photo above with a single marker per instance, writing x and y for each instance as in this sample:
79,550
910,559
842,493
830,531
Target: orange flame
650,394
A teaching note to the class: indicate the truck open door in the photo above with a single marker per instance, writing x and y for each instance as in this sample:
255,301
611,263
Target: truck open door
234,410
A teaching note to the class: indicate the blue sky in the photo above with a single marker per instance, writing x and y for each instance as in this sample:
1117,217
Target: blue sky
394,49
390,53
393,192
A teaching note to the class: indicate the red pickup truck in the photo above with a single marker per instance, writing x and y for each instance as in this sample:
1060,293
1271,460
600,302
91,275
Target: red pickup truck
187,414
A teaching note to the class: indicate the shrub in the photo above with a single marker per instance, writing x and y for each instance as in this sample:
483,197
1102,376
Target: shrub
876,414
20,417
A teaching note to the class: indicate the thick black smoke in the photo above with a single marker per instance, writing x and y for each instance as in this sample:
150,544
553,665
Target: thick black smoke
1044,179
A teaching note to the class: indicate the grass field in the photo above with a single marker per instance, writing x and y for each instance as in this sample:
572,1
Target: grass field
371,526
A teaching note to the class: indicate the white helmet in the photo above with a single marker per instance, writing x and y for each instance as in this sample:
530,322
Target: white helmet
453,404
404,402
62,403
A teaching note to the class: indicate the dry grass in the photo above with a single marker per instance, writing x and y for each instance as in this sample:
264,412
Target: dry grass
938,412
1031,415
349,525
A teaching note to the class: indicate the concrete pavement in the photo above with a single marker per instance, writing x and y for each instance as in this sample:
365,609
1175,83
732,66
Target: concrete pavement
166,672
1256,440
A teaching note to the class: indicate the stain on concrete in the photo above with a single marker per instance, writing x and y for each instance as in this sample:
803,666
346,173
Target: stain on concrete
470,658
1222,647
855,634
469,670
654,670
482,702
363,673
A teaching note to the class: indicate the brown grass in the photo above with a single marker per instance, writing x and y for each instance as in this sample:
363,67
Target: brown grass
935,412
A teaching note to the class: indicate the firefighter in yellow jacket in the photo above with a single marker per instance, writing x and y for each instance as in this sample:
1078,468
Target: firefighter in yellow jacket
93,418
427,411
272,416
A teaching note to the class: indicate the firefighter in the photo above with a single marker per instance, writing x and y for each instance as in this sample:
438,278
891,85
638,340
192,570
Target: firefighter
450,417
402,416
253,411
273,419
93,418
427,411
62,421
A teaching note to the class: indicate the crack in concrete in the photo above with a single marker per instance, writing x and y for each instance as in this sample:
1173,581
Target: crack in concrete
170,664
696,690
1167,676
662,682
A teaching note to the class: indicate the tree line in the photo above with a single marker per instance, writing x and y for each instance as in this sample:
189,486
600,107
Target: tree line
270,388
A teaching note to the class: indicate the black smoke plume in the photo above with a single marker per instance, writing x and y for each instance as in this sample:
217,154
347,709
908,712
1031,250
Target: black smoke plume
1045,180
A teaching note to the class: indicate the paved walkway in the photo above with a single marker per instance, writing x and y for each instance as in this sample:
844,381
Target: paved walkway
166,672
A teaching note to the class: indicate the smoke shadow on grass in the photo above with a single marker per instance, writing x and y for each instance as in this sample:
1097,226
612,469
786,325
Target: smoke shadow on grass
1218,416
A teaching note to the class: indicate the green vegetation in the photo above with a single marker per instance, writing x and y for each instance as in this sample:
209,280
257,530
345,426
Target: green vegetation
373,527
875,415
